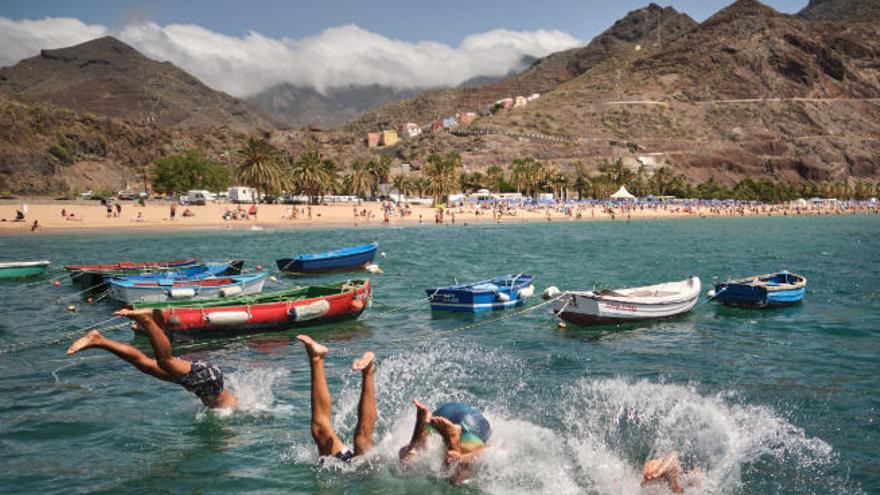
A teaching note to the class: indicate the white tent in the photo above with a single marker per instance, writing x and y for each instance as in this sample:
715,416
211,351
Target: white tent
622,193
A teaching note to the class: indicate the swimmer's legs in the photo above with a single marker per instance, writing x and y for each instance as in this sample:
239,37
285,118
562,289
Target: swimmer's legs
420,433
173,366
667,468
322,431
450,432
363,434
124,351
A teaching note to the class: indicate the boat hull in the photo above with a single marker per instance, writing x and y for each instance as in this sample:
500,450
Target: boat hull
95,278
346,259
588,308
188,290
487,295
346,303
23,269
762,291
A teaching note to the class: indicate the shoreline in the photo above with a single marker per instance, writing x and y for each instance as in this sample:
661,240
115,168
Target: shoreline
91,217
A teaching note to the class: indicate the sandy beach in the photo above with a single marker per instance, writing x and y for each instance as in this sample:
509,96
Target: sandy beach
54,215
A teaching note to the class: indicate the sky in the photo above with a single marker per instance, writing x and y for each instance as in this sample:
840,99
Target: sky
244,47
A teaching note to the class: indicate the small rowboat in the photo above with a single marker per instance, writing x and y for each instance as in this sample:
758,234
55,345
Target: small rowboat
496,293
761,291
95,277
350,258
162,290
21,269
298,307
197,272
627,305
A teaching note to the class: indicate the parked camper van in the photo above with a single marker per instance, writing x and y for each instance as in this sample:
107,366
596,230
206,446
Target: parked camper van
241,194
199,197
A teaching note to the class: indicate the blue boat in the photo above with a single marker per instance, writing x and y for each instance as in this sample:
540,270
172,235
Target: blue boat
496,293
761,291
197,272
162,290
350,258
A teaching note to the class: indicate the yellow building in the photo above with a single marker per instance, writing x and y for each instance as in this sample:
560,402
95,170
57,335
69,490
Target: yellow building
389,138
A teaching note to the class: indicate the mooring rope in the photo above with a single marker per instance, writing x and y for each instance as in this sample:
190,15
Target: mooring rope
63,338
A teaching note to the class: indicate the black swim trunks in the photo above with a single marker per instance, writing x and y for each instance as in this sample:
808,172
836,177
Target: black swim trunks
345,454
204,380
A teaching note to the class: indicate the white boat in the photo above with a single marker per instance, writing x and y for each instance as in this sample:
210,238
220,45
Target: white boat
160,290
625,305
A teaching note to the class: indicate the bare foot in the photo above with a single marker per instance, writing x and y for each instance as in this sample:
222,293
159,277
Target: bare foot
132,313
422,413
88,340
364,363
314,349
445,427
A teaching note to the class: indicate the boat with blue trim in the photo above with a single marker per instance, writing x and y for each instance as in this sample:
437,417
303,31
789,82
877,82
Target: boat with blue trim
197,272
350,258
160,290
761,291
486,295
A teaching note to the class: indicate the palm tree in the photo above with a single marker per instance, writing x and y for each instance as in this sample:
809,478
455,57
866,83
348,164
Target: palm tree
401,183
495,175
359,181
262,168
379,170
528,174
420,185
443,174
312,175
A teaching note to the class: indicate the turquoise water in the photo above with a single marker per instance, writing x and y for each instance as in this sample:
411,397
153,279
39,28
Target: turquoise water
774,401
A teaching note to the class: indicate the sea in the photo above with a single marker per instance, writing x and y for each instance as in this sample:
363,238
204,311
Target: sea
772,401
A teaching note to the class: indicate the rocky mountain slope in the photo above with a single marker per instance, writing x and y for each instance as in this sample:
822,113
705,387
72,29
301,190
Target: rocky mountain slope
108,77
647,26
842,10
748,92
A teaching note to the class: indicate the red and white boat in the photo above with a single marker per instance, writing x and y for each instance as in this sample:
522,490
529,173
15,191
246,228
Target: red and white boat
627,305
298,307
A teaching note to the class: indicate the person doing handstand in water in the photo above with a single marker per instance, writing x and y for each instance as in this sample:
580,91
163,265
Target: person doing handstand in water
325,438
204,380
465,435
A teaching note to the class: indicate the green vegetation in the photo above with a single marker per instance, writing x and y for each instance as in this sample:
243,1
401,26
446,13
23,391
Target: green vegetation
262,167
313,175
189,170
442,171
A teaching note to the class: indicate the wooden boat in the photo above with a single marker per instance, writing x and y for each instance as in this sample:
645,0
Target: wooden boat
21,269
298,307
496,293
196,272
95,277
162,290
761,291
350,258
626,305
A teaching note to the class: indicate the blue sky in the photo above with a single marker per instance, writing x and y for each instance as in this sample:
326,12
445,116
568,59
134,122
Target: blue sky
446,21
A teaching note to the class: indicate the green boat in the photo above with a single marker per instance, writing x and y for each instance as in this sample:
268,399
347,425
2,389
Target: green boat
21,269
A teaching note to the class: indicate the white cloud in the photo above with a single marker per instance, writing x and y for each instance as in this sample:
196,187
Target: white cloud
338,56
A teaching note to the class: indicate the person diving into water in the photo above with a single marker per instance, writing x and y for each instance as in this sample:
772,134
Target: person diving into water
465,435
668,469
325,438
203,379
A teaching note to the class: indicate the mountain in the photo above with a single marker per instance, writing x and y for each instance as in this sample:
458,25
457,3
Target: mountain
841,10
748,92
650,25
107,77
296,106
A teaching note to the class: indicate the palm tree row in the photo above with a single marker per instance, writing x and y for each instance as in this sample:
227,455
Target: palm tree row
268,170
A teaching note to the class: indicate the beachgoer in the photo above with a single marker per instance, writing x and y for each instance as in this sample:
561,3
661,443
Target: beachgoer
173,210
188,213
253,211
64,213
322,429
464,430
35,226
203,379
668,469
118,209
19,216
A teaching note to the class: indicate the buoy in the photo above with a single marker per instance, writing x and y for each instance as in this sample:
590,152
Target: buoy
227,317
502,296
382,254
357,306
272,278
561,324
311,311
56,283
90,300
550,292
230,291
527,291
373,268
259,267
71,308
182,293
710,293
